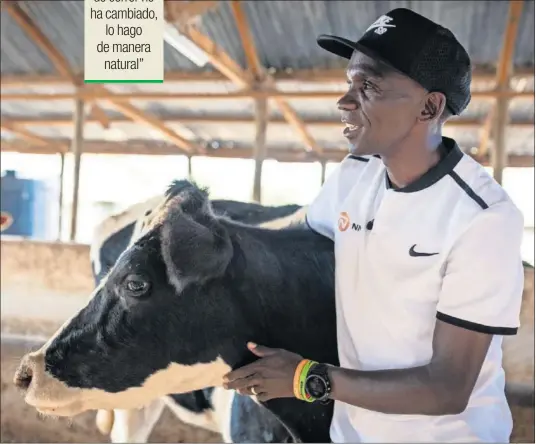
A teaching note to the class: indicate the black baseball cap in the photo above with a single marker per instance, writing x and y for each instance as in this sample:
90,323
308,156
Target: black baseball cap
416,47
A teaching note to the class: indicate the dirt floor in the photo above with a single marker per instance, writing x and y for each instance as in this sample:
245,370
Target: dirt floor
20,423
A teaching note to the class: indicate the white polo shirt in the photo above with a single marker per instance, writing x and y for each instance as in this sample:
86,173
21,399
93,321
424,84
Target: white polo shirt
446,246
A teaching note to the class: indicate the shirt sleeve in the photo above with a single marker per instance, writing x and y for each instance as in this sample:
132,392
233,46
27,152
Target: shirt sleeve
483,284
322,211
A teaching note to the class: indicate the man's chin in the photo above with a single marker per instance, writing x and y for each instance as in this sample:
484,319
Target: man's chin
357,150
360,149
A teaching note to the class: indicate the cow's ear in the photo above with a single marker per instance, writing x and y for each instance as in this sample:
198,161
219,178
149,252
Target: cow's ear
195,245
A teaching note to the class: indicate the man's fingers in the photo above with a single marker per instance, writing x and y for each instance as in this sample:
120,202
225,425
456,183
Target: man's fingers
240,373
237,384
261,350
263,397
242,383
244,392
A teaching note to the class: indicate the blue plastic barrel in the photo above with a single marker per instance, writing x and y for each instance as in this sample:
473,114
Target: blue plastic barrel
25,207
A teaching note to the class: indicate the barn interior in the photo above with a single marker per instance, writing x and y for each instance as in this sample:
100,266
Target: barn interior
248,109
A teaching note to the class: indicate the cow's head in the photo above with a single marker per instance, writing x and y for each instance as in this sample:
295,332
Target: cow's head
164,320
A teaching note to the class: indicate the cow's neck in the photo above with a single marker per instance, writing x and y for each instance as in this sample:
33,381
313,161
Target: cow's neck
313,339
297,315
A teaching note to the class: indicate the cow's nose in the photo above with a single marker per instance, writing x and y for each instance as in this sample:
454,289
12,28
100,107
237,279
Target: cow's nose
23,376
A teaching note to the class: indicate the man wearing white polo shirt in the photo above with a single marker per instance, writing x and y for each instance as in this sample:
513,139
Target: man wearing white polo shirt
429,276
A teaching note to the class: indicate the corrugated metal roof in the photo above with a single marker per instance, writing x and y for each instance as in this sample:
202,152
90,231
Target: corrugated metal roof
284,31
62,22
285,36
18,54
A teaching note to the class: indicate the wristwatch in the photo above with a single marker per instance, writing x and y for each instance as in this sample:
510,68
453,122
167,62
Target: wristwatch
317,383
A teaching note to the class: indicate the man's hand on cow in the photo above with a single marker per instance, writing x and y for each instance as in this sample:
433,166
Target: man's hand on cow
270,377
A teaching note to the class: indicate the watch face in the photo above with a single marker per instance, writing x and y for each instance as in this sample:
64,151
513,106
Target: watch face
316,386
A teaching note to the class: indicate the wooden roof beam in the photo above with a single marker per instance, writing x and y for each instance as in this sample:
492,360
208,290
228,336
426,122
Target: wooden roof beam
160,149
103,94
299,75
250,51
98,114
185,12
36,35
227,66
58,60
258,71
217,56
24,134
502,76
224,119
61,64
137,115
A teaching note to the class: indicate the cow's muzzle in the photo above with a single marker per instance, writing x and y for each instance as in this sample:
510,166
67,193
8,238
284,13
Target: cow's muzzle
23,375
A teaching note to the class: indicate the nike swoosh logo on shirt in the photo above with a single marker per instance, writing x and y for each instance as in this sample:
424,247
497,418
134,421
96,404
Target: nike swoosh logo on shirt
414,253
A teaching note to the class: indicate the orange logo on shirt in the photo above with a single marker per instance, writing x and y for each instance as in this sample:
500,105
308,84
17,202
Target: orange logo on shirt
344,221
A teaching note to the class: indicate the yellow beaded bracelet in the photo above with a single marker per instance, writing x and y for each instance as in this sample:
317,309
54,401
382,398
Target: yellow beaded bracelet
300,377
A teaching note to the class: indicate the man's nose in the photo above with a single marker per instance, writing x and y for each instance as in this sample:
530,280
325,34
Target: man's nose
347,103
24,374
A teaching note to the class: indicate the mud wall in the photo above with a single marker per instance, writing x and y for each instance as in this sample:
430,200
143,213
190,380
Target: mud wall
42,284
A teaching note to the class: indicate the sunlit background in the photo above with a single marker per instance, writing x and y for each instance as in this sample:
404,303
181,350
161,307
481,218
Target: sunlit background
110,183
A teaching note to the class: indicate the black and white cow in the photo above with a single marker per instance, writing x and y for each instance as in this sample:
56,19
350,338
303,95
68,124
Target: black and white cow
211,409
113,235
177,309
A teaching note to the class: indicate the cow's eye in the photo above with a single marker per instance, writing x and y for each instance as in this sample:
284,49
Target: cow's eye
136,285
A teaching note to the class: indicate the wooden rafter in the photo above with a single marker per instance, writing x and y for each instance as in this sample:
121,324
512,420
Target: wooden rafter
103,94
502,77
252,58
139,116
301,75
61,64
217,56
137,147
77,149
36,35
293,119
24,134
259,149
184,12
224,119
262,111
290,115
58,60
98,114
227,66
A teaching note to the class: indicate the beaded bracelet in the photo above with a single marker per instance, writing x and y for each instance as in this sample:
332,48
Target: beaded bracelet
300,376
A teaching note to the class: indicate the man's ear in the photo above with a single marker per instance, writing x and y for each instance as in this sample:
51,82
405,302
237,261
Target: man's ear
195,246
432,107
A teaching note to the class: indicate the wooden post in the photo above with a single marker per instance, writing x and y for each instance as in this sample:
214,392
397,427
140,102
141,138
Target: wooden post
78,140
190,175
60,203
499,155
323,172
259,150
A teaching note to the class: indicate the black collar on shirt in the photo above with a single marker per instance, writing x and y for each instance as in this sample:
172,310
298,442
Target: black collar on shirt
450,156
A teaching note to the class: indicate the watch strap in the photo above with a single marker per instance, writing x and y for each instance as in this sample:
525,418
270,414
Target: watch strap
320,370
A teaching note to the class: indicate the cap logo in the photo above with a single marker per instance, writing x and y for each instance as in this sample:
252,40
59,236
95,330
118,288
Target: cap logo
381,25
